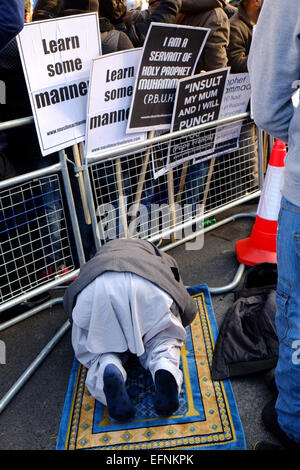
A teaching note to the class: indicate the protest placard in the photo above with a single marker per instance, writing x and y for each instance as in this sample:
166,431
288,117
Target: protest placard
235,101
170,52
198,101
56,57
159,157
110,94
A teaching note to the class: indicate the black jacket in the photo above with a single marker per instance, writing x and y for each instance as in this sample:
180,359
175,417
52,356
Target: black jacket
247,340
208,14
164,12
241,30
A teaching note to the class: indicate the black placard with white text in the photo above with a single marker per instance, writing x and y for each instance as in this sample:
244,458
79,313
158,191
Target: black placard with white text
170,52
198,101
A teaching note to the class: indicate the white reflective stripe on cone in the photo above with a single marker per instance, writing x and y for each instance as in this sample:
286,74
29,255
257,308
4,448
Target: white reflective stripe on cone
269,203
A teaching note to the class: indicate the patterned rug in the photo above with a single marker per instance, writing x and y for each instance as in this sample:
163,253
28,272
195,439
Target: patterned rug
207,417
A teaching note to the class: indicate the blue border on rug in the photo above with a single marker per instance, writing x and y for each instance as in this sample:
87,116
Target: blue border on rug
238,444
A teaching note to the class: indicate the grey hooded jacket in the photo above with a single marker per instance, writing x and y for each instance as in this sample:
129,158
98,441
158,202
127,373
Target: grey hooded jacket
274,67
139,257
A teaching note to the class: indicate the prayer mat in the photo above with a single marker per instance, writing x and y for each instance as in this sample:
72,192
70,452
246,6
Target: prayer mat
207,417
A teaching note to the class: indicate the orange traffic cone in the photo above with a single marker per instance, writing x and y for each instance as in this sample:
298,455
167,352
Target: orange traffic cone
261,246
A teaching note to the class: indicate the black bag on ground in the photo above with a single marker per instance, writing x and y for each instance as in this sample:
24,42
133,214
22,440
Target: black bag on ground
247,340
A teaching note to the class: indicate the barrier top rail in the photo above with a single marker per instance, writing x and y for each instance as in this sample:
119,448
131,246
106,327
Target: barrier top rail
16,123
123,149
30,175
134,147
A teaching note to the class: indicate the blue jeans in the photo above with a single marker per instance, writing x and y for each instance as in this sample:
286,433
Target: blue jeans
195,184
51,220
287,374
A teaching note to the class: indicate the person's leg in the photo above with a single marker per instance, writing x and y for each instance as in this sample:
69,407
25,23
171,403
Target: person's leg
195,186
50,221
287,373
162,359
118,402
105,381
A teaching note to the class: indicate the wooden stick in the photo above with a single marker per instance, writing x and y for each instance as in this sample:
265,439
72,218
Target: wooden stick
122,206
140,186
207,185
78,162
179,193
172,202
182,181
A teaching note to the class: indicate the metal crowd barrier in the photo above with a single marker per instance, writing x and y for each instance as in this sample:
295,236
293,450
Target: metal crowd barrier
123,199
126,200
40,244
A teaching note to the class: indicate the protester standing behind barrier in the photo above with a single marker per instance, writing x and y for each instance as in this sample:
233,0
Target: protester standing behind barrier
206,14
112,40
135,23
241,30
229,9
12,14
164,11
11,23
274,72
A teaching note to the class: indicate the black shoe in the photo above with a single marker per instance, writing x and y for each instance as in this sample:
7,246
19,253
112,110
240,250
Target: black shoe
36,300
23,307
264,445
269,417
118,402
166,400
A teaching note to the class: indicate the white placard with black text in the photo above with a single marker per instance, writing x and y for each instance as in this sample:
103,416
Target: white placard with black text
57,57
235,101
110,94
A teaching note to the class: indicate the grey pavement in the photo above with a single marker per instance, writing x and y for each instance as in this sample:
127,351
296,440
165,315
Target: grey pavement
31,420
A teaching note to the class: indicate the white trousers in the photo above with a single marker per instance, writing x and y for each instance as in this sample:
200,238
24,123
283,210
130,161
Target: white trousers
120,312
162,355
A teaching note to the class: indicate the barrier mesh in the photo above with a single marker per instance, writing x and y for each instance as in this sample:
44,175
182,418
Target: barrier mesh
154,190
34,242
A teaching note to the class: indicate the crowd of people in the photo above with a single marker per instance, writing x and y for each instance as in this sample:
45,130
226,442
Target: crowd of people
228,42
272,70
121,28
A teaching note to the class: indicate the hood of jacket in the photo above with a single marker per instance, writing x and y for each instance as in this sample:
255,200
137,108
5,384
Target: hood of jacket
242,15
77,7
114,10
194,6
46,9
